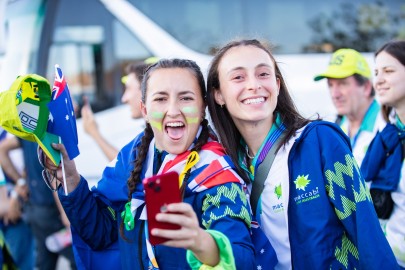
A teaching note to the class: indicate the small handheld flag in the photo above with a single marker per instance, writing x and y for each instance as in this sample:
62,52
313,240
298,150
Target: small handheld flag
62,119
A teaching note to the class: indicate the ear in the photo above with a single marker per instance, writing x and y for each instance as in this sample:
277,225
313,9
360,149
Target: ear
144,112
368,88
219,99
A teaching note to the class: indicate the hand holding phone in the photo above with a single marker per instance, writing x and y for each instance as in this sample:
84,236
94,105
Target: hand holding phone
160,190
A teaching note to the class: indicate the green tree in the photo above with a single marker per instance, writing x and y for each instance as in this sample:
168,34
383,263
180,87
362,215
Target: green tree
362,27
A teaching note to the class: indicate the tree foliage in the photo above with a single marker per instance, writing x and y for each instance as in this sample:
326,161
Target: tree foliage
362,27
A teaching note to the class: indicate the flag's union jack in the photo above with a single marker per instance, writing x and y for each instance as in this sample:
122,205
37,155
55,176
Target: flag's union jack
62,120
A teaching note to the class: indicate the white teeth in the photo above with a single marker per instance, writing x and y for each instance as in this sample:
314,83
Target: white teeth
175,124
254,100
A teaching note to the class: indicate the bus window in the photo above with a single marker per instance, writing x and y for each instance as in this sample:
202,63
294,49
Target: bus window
78,65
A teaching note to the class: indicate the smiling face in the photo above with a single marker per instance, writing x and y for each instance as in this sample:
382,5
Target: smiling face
174,108
389,80
249,87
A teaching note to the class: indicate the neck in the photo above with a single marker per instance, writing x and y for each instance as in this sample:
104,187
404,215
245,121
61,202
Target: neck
357,118
401,114
255,133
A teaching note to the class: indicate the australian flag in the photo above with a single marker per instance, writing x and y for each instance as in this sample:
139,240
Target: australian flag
62,119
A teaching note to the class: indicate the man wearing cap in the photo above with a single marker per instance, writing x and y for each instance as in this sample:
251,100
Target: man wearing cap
351,89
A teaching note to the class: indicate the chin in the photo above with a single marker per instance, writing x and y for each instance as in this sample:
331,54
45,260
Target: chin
174,149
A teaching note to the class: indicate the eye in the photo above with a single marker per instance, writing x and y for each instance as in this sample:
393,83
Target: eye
237,77
159,99
264,74
187,98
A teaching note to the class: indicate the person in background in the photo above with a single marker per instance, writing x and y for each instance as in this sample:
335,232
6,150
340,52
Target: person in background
132,97
383,165
351,89
4,201
42,206
6,261
312,204
213,218
17,233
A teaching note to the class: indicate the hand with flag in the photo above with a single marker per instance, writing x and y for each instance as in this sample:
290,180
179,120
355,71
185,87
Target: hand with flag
62,120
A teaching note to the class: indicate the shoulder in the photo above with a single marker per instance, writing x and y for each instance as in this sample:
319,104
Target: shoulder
323,129
323,133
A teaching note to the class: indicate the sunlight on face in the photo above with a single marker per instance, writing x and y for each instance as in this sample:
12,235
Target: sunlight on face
249,87
389,80
174,107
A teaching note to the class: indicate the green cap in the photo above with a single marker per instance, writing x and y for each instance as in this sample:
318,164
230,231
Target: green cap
345,63
24,112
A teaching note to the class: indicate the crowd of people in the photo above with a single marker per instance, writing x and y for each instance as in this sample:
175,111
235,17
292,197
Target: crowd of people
263,187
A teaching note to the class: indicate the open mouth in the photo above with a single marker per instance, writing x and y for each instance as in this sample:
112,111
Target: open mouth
175,130
254,100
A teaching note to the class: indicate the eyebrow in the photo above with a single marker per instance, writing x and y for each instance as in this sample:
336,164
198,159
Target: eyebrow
180,93
257,66
388,66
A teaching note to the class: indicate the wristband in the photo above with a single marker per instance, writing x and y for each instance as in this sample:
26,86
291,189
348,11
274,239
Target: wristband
21,182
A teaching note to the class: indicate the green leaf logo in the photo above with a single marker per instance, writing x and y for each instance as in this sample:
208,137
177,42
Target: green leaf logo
277,191
302,182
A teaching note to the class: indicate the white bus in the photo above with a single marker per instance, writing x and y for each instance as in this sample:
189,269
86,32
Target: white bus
94,40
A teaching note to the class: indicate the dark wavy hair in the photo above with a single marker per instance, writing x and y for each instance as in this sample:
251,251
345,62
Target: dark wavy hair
227,132
395,48
142,150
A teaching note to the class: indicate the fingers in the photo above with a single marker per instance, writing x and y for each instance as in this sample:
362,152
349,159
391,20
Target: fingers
85,100
179,213
183,215
48,164
61,148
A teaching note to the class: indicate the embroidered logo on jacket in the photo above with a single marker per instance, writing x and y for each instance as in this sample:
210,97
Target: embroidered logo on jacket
278,191
301,183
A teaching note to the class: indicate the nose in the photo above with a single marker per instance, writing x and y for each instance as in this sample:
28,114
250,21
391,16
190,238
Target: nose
173,109
378,79
124,98
334,91
253,83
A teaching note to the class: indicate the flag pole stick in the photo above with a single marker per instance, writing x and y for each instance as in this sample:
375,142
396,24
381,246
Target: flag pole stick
63,170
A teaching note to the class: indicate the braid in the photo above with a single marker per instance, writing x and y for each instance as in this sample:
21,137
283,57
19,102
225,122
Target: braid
135,176
142,149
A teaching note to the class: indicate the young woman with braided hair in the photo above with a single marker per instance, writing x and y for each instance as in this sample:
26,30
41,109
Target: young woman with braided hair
213,216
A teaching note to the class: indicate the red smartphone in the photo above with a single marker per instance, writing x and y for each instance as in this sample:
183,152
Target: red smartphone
160,190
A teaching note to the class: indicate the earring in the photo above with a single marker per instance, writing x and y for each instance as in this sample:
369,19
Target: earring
222,105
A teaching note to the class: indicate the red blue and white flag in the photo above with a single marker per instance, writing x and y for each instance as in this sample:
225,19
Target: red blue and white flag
62,119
